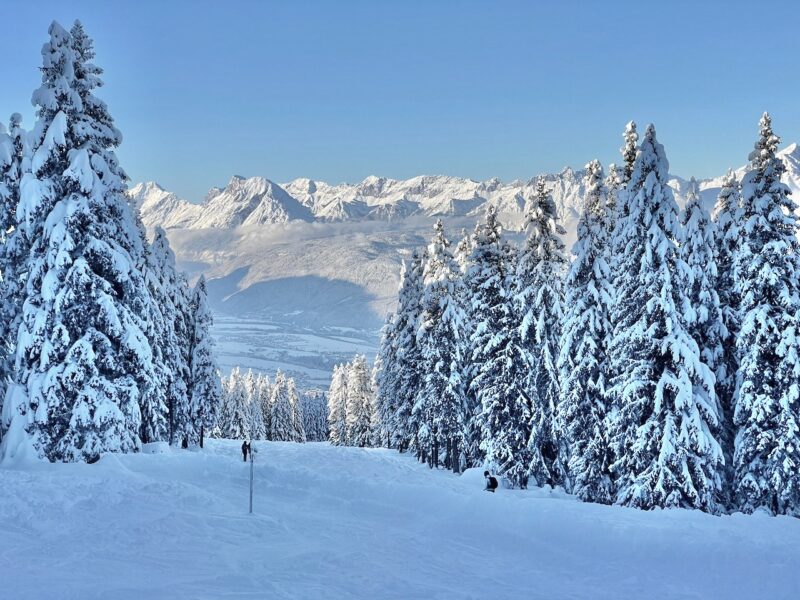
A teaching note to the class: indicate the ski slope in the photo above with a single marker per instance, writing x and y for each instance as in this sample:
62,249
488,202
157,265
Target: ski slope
350,523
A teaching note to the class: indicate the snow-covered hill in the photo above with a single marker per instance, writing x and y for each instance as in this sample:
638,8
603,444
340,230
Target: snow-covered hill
350,523
308,258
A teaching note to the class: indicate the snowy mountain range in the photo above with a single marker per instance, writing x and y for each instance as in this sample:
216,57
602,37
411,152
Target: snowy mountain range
309,258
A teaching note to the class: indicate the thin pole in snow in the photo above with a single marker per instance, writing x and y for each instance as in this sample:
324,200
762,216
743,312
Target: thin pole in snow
252,460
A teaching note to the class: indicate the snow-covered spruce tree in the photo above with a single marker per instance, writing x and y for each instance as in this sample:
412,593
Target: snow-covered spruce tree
703,314
387,387
408,360
629,152
337,406
315,415
582,411
463,251
441,406
257,428
767,272
359,403
235,419
82,358
283,420
666,413
726,232
264,399
298,428
168,290
152,403
204,386
12,256
618,209
539,295
499,363
476,301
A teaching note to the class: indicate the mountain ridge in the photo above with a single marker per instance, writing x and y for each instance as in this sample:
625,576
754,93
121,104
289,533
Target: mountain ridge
260,201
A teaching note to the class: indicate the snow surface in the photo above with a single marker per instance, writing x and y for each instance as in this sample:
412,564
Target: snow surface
346,523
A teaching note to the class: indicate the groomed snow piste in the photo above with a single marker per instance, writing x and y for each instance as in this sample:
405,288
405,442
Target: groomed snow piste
333,522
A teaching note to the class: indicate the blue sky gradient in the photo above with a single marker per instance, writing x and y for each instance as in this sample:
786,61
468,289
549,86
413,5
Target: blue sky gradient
340,90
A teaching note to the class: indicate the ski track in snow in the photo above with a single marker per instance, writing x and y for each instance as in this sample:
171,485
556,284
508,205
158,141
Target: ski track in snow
350,523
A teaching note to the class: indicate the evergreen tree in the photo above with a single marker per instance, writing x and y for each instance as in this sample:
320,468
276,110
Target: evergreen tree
204,385
703,315
441,404
630,151
408,360
298,432
12,255
387,388
582,412
315,415
257,428
539,294
480,296
726,242
359,403
264,399
666,415
235,419
463,251
499,363
170,294
767,468
82,358
282,419
337,406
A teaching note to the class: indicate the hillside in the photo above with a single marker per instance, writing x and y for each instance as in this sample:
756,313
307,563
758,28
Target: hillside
348,523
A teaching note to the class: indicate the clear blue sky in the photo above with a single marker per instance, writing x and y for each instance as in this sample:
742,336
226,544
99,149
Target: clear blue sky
341,90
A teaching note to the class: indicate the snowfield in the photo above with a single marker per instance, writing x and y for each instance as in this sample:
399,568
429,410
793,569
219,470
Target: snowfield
333,522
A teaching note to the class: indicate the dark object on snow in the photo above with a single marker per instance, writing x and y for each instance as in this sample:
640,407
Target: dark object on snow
523,482
185,443
491,482
245,450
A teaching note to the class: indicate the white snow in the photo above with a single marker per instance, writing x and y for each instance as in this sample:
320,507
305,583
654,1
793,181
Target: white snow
346,523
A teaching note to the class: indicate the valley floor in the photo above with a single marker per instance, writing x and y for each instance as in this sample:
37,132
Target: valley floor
349,523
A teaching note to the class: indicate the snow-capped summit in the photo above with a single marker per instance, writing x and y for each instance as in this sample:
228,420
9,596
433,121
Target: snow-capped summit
160,207
259,201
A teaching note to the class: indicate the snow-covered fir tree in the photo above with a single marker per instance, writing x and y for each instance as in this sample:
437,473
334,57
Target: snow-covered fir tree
13,253
666,413
359,417
168,288
582,411
441,405
298,426
499,362
82,359
463,251
387,388
408,360
264,399
235,418
726,232
539,295
337,406
205,393
284,416
258,430
629,152
704,316
767,403
315,415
